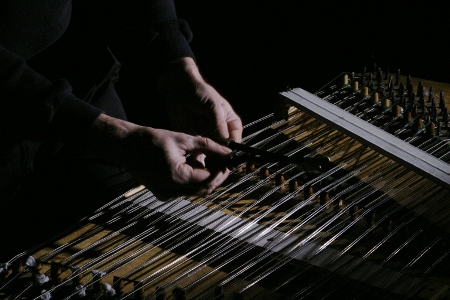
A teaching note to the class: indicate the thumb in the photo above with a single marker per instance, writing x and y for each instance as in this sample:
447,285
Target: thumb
221,127
207,146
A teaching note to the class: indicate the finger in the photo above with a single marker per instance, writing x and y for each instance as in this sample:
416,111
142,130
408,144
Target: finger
197,160
197,182
202,179
216,180
221,126
208,147
192,177
235,130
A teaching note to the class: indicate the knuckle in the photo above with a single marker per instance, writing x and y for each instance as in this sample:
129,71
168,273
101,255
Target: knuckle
205,142
181,175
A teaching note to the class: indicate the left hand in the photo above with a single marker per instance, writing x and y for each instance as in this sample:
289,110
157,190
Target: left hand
194,106
169,163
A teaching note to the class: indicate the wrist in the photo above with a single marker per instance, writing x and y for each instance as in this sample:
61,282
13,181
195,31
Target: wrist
186,65
108,138
180,76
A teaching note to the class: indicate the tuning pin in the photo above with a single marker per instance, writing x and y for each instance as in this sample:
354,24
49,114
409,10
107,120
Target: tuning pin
365,93
412,99
407,116
418,123
370,84
387,74
445,116
391,225
431,129
396,111
345,80
397,77
35,267
139,291
250,167
441,100
390,83
279,180
434,113
363,80
392,91
433,106
369,219
430,94
420,89
403,100
308,192
386,103
77,276
293,185
265,172
324,198
56,273
414,110
375,98
422,104
97,280
17,266
401,90
354,211
380,76
410,89
355,86
118,285
4,271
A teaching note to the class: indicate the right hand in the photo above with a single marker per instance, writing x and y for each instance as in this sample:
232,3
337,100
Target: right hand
190,98
157,158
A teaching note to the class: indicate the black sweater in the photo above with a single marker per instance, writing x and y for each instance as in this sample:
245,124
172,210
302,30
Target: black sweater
33,107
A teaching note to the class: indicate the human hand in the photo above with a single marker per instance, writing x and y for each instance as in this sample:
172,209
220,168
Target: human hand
194,106
159,158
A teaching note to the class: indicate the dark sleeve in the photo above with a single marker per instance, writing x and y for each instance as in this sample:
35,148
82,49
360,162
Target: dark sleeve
33,107
156,25
171,35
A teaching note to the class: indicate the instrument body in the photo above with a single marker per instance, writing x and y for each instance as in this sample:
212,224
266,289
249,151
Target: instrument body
365,226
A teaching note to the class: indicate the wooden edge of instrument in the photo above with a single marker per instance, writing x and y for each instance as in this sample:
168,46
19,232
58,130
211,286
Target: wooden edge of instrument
385,143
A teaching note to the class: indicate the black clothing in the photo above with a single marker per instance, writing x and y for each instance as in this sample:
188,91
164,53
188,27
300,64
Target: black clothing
35,107
43,119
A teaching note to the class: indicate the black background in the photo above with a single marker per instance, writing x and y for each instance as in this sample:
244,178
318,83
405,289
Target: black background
251,50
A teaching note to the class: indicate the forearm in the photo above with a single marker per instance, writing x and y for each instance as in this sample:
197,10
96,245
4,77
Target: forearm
107,138
36,108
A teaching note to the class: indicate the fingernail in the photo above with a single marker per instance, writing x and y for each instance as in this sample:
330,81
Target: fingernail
226,150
